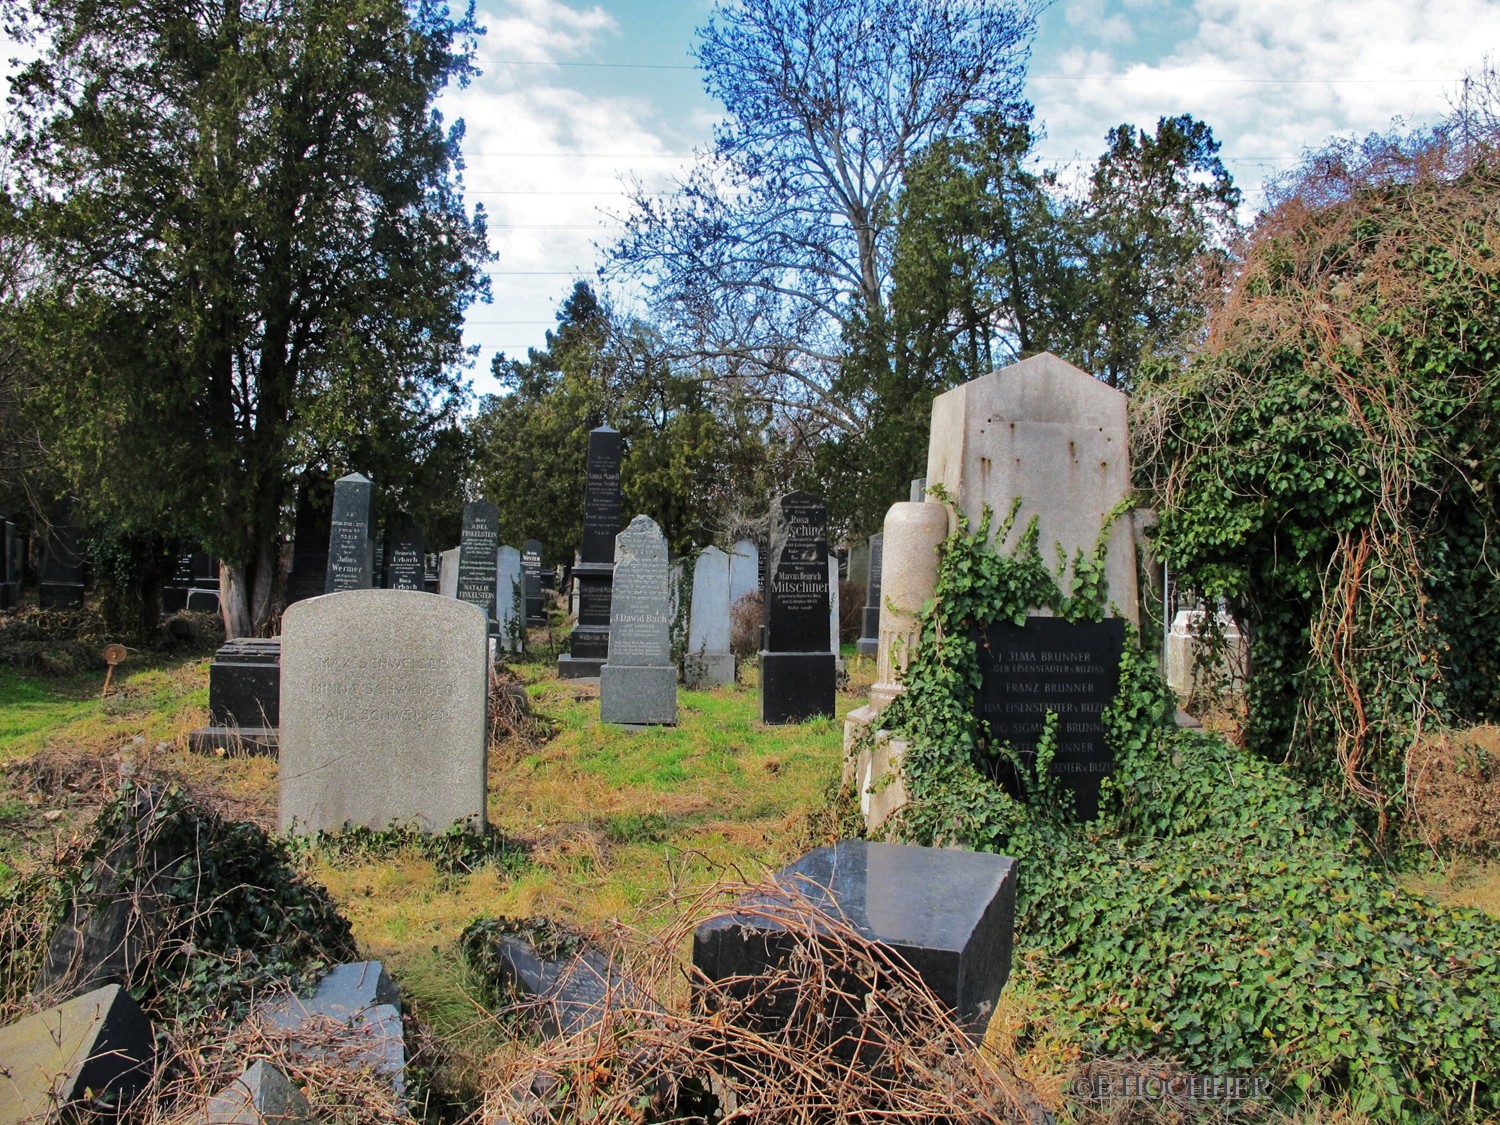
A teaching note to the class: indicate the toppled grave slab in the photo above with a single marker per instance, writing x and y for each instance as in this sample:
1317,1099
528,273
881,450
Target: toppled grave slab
97,1046
260,1096
354,1015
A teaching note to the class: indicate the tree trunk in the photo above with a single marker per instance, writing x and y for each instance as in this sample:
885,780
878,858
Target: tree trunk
245,595
234,602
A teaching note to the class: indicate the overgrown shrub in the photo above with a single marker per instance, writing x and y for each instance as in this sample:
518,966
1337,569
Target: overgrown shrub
1219,914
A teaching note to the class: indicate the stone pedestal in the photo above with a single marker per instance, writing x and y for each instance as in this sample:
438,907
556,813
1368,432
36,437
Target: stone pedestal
796,686
909,564
593,585
949,914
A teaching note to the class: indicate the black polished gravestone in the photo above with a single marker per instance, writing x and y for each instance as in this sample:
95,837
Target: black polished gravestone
61,585
869,637
797,669
588,646
477,548
531,570
405,560
1048,664
244,698
309,574
351,535
948,914
10,565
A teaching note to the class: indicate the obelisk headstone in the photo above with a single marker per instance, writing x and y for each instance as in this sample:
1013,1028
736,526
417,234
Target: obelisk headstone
531,566
479,542
405,565
510,600
869,637
1055,438
638,685
709,661
797,668
351,543
589,645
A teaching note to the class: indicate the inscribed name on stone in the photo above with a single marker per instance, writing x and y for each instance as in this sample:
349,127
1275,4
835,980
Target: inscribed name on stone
383,698
1048,664
531,565
405,568
351,551
476,556
797,604
640,614
601,496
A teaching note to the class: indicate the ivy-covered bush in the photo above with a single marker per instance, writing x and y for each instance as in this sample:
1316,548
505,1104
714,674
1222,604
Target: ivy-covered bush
1220,914
1328,461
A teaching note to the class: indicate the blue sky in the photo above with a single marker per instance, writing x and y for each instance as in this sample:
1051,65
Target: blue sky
578,97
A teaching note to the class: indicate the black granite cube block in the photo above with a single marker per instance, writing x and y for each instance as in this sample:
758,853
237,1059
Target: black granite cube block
795,686
949,914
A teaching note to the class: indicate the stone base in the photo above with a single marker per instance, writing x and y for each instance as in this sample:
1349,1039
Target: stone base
638,695
867,646
235,740
709,669
570,667
875,772
948,913
795,686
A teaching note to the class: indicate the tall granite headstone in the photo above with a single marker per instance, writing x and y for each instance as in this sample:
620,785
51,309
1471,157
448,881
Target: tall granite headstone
869,637
476,557
709,661
351,535
383,712
510,599
61,586
638,685
531,566
1053,437
593,575
405,560
309,574
797,668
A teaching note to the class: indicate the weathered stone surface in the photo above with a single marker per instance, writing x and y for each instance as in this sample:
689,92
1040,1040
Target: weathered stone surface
448,573
744,569
476,557
260,1096
510,599
639,683
1054,436
383,698
833,606
948,913
361,997
568,995
918,490
709,662
1187,670
908,575
874,772
100,1042
405,568
351,543
869,637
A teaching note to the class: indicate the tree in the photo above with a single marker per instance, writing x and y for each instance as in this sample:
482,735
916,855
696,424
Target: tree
762,260
256,255
690,458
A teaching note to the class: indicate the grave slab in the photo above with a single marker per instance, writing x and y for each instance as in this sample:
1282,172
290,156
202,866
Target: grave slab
709,662
948,913
638,685
362,997
260,1096
476,558
244,698
593,576
510,600
869,637
405,568
351,546
798,669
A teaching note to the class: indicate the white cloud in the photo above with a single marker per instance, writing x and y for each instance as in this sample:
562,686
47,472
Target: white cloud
1273,78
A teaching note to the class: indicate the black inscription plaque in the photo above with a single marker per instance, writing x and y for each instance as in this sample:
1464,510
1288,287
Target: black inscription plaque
405,567
601,496
351,550
476,557
1050,664
796,596
531,571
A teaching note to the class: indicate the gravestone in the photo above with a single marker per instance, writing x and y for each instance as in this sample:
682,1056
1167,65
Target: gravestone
531,566
709,662
61,585
244,698
638,685
314,521
510,600
353,1016
383,712
476,558
351,542
744,570
797,668
588,648
10,565
405,561
833,610
448,573
869,637
262,1095
918,490
947,913
1054,438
